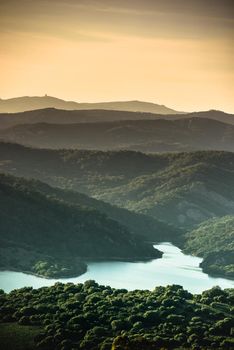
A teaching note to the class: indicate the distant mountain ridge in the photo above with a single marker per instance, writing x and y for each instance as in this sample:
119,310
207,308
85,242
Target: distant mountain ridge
27,103
158,135
61,116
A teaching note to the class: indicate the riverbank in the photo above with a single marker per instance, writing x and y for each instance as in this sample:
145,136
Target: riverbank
79,267
173,268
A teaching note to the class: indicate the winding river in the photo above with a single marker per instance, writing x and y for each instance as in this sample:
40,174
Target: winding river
174,268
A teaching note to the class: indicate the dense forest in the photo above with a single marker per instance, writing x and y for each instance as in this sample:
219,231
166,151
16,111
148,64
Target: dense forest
50,237
139,224
214,241
94,317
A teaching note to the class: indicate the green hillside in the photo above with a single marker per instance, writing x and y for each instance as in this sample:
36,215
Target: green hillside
183,189
138,224
214,240
50,237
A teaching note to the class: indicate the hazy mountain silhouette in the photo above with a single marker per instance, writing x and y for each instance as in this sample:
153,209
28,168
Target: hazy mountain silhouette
27,103
61,116
140,135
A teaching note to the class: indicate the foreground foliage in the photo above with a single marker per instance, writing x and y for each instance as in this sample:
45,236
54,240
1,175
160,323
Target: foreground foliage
91,316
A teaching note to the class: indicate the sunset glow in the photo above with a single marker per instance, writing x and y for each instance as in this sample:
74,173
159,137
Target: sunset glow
179,55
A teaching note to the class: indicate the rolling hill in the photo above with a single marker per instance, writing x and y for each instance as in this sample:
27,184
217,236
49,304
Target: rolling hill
60,116
183,189
138,224
28,103
42,233
139,135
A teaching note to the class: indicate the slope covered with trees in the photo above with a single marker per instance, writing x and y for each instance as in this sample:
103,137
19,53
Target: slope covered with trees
50,237
142,225
93,317
182,189
214,241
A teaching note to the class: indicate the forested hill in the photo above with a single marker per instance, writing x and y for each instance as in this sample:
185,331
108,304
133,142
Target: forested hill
214,241
183,189
50,237
139,224
141,135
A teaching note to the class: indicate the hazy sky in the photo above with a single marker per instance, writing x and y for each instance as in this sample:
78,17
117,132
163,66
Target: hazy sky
173,52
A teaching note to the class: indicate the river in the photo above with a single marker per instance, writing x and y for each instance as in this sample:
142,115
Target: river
174,268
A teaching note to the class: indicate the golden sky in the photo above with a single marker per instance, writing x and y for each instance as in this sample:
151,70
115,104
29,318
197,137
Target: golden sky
173,52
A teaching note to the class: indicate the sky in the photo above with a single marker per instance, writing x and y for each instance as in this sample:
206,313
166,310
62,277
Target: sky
173,52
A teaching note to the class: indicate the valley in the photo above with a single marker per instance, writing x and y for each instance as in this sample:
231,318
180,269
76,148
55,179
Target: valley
182,189
146,197
116,175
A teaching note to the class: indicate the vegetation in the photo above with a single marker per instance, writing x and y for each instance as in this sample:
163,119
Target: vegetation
183,189
214,240
47,236
139,224
90,316
219,263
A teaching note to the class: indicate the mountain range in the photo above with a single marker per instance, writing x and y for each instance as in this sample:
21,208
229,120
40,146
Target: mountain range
158,135
105,177
60,116
28,103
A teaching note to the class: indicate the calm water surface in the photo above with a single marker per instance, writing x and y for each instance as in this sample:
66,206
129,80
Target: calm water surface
174,268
